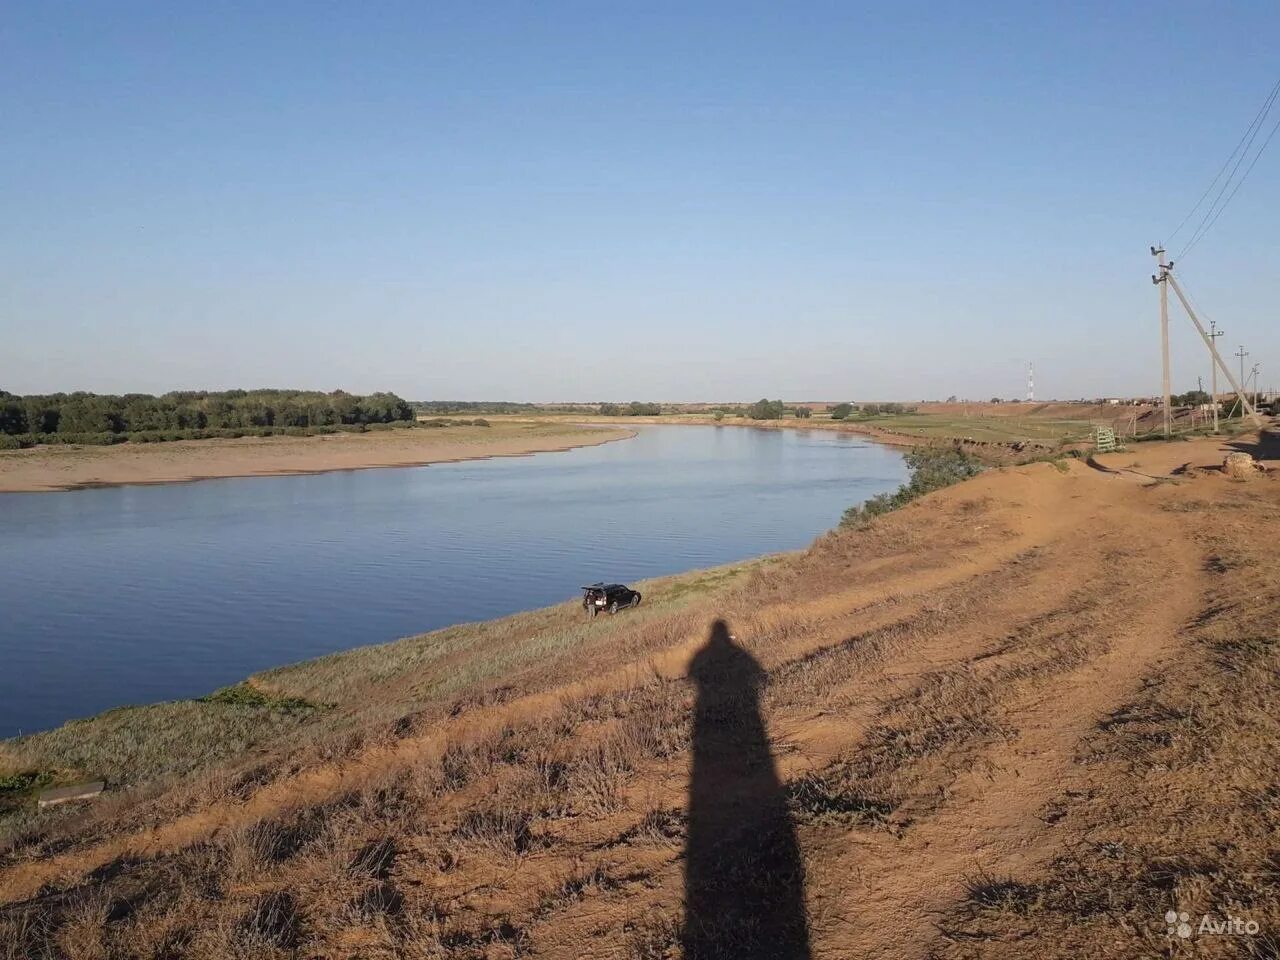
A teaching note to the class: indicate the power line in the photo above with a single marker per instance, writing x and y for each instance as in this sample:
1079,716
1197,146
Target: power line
1196,239
1239,155
1225,163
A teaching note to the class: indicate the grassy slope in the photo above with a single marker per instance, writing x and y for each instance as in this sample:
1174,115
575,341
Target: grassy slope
316,702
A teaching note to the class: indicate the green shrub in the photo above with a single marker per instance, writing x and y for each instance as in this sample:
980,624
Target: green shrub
764,409
10,442
22,782
861,514
841,410
932,468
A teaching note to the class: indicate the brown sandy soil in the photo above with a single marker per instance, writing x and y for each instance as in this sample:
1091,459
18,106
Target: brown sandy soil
75,467
1022,717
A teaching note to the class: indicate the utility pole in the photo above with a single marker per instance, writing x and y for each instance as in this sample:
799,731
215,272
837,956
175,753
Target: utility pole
1168,280
1241,353
1160,280
1214,334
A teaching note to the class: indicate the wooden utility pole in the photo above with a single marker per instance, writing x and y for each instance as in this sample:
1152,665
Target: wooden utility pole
1167,279
1159,280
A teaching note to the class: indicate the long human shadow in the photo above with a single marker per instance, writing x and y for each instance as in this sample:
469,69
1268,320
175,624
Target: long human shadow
744,878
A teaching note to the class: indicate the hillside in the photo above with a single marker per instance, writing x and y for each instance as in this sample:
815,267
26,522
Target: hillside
1021,717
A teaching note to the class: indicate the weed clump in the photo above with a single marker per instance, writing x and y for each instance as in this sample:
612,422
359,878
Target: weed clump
246,695
16,783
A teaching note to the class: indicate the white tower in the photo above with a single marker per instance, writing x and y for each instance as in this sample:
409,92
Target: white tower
1031,382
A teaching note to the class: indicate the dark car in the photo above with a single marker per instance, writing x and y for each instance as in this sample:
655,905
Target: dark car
608,596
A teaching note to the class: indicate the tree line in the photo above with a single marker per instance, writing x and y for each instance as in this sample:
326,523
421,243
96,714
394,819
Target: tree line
842,411
108,418
633,409
437,407
766,409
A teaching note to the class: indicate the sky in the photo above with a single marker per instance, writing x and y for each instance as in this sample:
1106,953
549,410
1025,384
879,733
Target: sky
609,201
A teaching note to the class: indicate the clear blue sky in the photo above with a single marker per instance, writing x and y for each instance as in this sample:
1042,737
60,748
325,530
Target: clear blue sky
614,201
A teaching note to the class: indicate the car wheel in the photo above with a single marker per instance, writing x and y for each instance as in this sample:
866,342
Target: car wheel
635,601
613,607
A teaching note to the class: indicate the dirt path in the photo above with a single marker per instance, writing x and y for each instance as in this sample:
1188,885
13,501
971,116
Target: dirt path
992,824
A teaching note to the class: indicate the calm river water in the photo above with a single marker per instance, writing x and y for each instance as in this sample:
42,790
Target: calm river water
135,594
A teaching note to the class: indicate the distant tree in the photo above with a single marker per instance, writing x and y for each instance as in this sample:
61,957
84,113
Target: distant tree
841,410
803,413
764,409
870,409
13,417
609,410
718,416
637,409
1192,398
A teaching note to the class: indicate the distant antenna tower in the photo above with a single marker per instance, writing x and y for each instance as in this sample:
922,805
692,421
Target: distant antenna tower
1031,382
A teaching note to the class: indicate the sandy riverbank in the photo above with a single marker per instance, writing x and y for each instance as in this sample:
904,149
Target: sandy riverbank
76,467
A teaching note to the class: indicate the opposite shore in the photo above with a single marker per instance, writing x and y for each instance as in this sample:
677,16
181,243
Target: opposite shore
73,467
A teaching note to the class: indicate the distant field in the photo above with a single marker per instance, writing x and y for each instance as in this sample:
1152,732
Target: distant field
1006,422
983,427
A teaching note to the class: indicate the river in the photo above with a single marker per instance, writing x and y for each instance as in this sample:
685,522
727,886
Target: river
125,595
